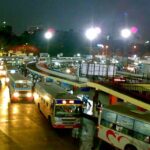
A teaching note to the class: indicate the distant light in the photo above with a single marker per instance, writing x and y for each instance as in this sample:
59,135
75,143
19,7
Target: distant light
57,63
68,70
78,55
107,46
134,46
48,35
92,33
134,29
12,71
100,45
125,33
147,42
134,56
4,22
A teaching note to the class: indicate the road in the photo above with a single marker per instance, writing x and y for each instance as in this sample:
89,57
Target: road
22,126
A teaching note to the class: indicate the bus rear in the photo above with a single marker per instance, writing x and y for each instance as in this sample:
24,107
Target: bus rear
62,109
67,113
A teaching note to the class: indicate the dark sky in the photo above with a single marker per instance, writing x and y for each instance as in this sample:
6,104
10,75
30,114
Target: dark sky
110,15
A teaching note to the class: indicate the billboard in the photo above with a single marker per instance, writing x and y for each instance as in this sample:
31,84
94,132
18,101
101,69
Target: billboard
98,69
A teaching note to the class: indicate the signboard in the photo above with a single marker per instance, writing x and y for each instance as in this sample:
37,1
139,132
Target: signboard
98,69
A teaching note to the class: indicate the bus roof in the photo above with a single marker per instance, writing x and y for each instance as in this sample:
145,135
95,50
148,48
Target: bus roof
128,110
17,76
9,67
56,91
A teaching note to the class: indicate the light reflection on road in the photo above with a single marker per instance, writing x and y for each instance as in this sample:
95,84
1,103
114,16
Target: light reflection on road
5,99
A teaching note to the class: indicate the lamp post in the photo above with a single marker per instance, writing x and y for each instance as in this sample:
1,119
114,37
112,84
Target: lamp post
91,34
126,34
48,35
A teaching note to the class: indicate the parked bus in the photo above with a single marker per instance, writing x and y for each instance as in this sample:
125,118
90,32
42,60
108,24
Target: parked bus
20,88
124,127
63,110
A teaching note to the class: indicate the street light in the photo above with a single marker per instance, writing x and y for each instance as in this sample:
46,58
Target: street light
126,34
91,34
48,35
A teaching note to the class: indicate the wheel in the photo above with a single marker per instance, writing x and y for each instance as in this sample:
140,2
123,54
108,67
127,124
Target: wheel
130,147
39,107
49,121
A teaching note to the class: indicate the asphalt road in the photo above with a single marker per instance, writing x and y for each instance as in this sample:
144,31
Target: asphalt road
22,126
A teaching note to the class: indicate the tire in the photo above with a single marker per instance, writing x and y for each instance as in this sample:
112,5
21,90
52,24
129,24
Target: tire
130,147
50,122
39,107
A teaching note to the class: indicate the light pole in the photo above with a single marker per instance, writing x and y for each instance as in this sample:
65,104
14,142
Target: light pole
126,34
91,34
48,35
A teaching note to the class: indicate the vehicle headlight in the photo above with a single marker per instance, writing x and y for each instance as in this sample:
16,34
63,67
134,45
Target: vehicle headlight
58,119
7,80
36,95
4,72
16,94
29,94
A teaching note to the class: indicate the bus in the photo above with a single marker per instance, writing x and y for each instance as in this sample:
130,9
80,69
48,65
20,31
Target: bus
20,88
63,110
124,127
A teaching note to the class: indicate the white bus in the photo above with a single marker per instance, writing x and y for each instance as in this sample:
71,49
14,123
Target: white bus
20,88
63,110
124,127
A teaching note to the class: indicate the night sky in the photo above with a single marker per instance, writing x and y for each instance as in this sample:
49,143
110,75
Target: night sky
110,15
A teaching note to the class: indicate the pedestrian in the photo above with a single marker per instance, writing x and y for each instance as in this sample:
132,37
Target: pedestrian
75,133
87,134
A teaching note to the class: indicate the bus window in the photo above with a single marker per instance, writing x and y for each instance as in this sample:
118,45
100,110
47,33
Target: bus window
67,110
147,139
125,121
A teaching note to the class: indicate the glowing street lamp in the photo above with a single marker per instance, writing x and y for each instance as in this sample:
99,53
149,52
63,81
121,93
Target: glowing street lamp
48,35
92,33
125,33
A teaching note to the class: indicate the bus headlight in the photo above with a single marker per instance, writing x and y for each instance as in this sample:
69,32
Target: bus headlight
58,120
36,95
7,80
29,94
4,72
16,94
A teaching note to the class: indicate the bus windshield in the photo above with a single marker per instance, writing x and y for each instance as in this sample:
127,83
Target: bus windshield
68,111
23,85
